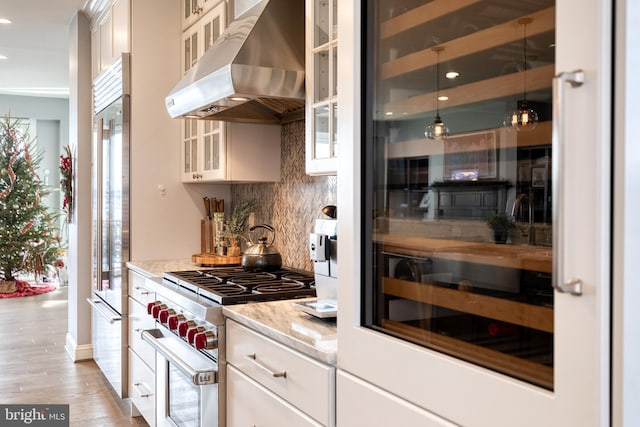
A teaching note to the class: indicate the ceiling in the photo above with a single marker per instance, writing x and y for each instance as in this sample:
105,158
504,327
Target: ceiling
36,45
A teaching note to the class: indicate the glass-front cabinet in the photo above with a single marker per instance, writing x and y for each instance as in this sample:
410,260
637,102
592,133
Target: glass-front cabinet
202,140
321,87
477,239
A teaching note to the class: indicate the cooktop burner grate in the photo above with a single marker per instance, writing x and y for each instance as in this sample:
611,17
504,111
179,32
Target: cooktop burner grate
234,285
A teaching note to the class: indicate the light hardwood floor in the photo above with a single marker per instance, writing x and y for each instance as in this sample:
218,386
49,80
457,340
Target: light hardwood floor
34,367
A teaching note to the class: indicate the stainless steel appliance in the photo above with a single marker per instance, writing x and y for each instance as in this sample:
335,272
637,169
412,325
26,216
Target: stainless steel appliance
242,78
323,250
190,335
110,216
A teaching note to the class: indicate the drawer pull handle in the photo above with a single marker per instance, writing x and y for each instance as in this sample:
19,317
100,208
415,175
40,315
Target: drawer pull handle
143,291
138,386
281,374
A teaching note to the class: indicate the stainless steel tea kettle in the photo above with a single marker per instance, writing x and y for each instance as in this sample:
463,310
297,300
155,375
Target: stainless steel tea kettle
261,256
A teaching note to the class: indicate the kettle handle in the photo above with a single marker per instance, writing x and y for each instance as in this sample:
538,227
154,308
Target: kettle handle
266,227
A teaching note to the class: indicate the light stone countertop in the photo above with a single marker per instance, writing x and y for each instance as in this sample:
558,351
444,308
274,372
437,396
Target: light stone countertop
282,322
156,268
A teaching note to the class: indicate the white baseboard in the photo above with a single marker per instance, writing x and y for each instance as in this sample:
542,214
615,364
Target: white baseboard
78,352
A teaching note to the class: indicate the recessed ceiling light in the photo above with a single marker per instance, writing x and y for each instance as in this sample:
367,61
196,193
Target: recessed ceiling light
3,56
443,98
452,75
5,21
389,113
238,98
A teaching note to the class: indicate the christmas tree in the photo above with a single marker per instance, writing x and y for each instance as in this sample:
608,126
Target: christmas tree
29,241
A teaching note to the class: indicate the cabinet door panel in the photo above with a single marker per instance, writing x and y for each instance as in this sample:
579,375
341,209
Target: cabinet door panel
266,409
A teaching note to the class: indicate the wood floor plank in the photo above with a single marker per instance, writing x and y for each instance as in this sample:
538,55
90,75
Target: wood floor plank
36,368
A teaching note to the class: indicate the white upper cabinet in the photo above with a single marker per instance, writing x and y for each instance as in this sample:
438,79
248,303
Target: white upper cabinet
237,152
199,37
110,35
321,87
193,10
202,151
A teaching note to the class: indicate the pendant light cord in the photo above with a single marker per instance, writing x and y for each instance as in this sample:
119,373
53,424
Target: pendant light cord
524,63
437,83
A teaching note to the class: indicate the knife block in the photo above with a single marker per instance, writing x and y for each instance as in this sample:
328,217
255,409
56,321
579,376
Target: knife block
207,236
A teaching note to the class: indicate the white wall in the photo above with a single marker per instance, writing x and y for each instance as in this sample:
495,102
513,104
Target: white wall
164,225
78,343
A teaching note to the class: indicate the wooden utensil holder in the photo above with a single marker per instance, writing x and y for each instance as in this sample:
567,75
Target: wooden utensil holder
207,236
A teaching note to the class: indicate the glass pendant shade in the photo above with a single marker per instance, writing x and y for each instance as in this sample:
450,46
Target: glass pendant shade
436,131
524,118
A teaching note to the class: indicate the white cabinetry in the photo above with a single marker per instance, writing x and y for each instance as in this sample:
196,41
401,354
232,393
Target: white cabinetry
142,362
231,152
193,10
362,404
199,37
290,388
200,140
212,150
321,86
110,35
266,407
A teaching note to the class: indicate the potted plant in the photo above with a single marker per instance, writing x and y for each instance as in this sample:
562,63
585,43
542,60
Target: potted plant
501,224
236,225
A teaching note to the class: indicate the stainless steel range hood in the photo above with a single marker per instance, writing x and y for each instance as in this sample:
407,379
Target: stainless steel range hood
253,73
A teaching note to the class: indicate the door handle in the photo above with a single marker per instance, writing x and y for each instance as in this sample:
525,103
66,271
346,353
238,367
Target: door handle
104,312
279,374
573,285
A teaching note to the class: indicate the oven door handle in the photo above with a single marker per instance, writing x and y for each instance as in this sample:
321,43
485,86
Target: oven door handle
104,312
199,377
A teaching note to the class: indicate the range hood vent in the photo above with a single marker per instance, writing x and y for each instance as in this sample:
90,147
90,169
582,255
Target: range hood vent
253,73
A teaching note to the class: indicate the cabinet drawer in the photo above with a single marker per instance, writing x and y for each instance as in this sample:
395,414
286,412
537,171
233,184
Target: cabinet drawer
265,408
142,388
138,321
363,404
138,290
305,383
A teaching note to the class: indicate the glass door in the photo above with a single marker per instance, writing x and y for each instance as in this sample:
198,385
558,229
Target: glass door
469,275
482,261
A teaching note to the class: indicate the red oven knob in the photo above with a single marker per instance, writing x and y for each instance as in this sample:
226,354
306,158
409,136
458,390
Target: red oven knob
163,316
151,305
155,312
184,326
206,341
191,333
174,320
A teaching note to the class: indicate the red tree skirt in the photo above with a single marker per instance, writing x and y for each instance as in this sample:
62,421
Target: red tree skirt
24,289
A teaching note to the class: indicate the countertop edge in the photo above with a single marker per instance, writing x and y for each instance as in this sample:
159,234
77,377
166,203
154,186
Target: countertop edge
246,319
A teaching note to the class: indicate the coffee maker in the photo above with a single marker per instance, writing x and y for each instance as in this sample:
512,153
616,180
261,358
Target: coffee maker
323,251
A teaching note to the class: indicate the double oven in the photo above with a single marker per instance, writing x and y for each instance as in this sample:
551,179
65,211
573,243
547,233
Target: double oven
189,335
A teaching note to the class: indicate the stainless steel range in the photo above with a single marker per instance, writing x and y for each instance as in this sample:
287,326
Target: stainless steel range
189,339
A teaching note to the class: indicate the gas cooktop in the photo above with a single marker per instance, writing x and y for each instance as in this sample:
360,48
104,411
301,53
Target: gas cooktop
234,285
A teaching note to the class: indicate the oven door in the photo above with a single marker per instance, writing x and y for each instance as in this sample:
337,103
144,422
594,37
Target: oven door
187,382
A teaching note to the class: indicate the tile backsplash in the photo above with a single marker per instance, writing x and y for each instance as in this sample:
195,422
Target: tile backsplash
292,205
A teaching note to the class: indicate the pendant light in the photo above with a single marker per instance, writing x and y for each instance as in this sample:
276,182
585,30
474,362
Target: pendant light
437,130
523,117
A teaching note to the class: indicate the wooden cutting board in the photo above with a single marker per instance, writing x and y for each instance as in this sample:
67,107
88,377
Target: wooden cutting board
215,260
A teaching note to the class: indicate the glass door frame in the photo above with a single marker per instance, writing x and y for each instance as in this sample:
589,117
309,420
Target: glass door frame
459,391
